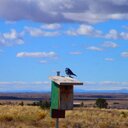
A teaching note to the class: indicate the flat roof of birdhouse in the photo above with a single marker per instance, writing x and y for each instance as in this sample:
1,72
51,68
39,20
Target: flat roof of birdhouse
61,80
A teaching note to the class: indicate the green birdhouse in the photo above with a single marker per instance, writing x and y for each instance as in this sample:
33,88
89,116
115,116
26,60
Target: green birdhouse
62,93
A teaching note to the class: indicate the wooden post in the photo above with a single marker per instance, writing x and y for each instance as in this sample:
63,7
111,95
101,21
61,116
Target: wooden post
57,122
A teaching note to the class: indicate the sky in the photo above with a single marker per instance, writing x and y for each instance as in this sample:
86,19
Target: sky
40,37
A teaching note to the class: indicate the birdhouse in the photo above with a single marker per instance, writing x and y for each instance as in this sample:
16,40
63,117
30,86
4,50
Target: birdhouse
62,93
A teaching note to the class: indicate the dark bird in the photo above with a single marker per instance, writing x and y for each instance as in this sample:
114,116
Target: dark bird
69,72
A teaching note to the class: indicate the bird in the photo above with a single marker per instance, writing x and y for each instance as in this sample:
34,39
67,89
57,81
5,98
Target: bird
69,72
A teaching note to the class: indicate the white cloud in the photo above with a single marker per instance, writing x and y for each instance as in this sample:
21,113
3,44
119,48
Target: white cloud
11,38
115,83
51,26
18,86
45,86
125,27
39,83
75,53
94,48
10,35
124,54
110,83
37,54
113,34
109,59
124,35
109,44
85,30
105,85
24,83
10,22
12,83
40,32
90,83
89,30
43,61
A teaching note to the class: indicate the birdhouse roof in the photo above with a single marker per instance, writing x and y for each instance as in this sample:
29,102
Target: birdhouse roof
60,80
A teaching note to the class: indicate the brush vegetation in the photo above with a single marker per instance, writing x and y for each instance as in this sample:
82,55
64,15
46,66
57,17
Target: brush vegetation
36,117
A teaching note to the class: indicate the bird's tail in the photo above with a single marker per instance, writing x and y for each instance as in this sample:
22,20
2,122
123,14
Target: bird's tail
75,75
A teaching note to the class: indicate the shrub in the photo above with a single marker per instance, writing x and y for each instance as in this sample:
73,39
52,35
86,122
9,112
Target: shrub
82,104
124,114
44,104
101,103
115,103
21,103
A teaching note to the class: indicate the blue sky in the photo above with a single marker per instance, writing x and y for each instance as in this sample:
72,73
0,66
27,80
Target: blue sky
38,38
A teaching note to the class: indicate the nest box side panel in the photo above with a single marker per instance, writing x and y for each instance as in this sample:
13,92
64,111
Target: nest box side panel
55,96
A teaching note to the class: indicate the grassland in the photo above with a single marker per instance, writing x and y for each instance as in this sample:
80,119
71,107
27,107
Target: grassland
34,117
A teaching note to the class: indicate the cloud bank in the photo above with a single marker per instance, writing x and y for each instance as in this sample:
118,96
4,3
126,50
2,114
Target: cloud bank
53,11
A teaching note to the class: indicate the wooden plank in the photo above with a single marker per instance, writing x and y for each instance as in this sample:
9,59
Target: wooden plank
60,80
56,113
66,97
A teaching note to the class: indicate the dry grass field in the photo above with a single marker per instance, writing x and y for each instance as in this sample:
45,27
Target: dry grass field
35,117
